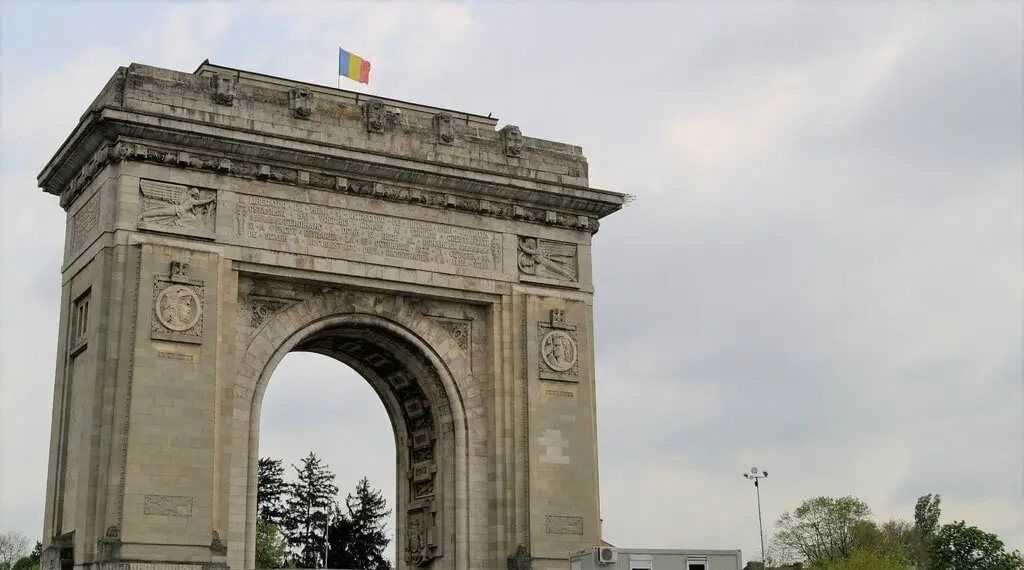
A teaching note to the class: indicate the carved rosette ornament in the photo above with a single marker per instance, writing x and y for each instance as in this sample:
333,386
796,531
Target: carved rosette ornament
512,138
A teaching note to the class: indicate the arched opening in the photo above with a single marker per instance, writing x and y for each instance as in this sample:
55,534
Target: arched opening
314,403
405,369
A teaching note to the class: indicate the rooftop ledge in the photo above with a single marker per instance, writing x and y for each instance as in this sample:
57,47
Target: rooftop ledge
184,110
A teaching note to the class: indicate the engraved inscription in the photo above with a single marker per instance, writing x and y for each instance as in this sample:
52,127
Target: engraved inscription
175,356
85,223
168,505
556,524
560,393
309,225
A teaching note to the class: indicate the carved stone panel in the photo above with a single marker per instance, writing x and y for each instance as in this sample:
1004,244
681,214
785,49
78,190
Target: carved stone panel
512,138
85,223
559,349
168,505
375,115
445,129
177,306
175,208
420,538
260,309
459,329
547,259
223,89
557,524
336,230
300,100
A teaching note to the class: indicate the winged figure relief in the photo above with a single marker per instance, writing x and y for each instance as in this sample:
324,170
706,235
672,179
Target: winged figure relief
172,203
537,257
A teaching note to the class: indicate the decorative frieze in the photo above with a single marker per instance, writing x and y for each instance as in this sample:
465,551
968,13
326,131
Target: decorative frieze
334,182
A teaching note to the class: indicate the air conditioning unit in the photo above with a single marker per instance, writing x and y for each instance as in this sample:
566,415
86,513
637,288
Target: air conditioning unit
606,555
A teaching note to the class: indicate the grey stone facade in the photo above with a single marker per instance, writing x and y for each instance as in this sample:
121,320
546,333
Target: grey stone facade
218,220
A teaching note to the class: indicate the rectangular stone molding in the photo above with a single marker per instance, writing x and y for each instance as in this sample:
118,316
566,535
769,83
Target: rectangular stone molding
219,219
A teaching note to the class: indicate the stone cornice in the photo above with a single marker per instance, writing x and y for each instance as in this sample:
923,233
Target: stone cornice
112,135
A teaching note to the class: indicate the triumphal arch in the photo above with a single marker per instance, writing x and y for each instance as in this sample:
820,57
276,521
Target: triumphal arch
218,220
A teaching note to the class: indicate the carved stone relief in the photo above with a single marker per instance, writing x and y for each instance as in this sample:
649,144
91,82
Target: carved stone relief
445,129
261,309
176,208
85,223
547,259
559,349
557,524
177,305
300,100
375,115
458,328
512,138
223,89
168,505
322,180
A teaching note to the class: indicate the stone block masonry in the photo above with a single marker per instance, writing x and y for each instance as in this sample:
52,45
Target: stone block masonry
220,219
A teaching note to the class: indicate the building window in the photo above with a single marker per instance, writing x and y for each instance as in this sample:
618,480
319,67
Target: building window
697,564
80,320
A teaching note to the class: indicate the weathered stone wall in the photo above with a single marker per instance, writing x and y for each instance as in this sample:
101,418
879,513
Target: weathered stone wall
220,219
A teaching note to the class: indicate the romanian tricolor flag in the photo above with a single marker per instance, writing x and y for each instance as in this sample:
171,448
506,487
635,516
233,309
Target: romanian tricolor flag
353,67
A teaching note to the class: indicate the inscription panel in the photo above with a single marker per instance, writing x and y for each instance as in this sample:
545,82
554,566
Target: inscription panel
338,230
84,223
557,524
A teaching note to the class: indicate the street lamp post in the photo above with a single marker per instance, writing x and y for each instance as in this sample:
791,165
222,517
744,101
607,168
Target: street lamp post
755,475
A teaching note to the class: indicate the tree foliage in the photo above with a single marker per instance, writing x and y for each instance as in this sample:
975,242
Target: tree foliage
271,550
823,530
927,512
362,531
310,501
861,559
957,546
357,535
271,491
13,546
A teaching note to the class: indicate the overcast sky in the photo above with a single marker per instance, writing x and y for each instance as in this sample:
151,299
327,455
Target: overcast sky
821,275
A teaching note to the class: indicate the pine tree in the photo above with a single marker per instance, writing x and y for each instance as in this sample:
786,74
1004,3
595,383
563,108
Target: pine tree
359,537
311,498
271,491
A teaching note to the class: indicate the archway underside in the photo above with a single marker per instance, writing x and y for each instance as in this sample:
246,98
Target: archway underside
411,391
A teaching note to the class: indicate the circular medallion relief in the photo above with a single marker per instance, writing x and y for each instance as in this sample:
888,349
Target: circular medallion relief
178,308
558,350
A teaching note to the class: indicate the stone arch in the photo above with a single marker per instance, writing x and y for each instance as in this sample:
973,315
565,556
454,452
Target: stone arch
387,320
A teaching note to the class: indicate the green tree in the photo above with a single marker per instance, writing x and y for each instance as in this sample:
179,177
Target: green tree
957,546
927,511
359,536
311,499
822,530
860,559
271,491
30,562
271,550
